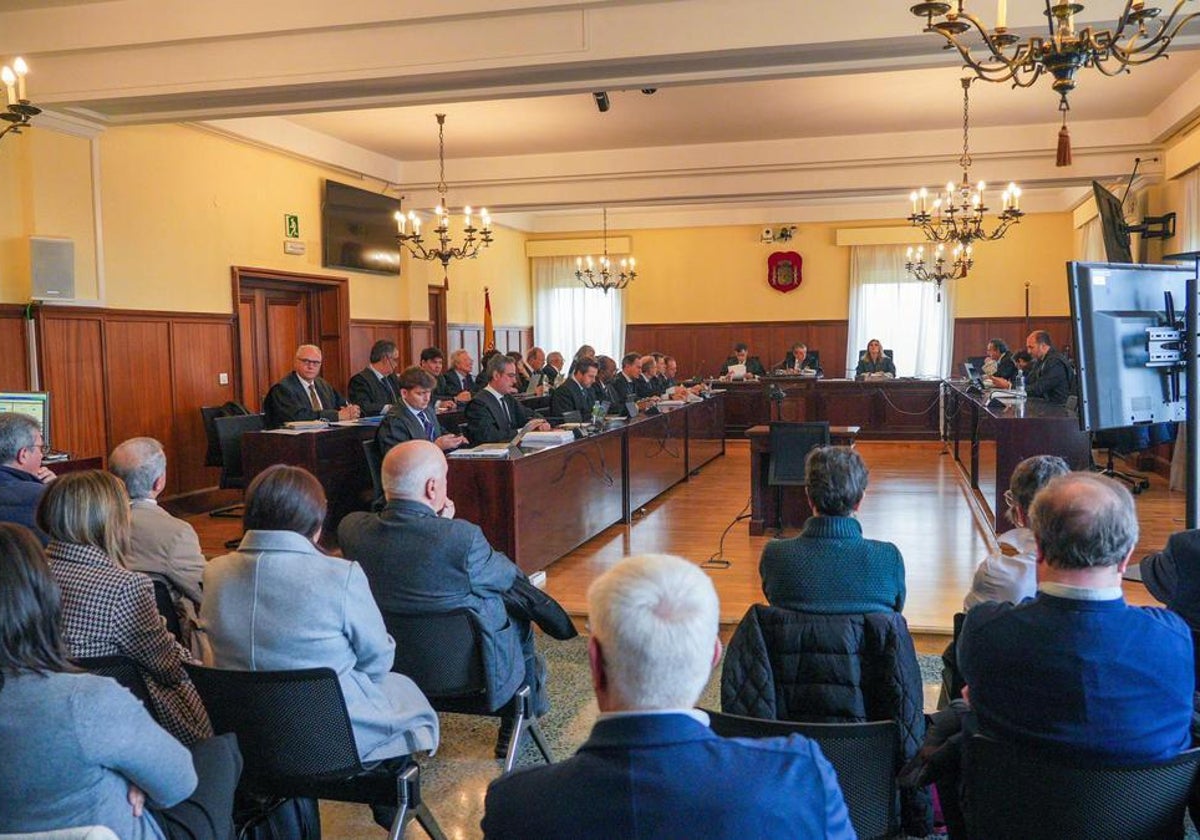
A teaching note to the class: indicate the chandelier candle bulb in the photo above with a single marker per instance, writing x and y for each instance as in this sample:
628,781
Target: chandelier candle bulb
1001,14
913,197
9,79
20,68
400,222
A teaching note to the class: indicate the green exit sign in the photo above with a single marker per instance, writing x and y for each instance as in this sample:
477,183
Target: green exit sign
291,226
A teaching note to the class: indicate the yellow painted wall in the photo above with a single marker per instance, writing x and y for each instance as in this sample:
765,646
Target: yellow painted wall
502,268
707,274
16,218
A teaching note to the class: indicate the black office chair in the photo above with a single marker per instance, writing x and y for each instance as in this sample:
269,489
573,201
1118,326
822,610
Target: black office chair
1013,792
375,467
297,741
790,445
122,669
442,654
212,455
864,756
165,602
229,434
1127,441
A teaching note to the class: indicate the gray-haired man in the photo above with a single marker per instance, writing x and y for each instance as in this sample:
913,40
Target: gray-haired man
22,475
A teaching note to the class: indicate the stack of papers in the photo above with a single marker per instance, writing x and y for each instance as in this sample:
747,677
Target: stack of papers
484,450
555,437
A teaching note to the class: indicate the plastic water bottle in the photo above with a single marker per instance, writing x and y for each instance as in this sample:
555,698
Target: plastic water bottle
1021,382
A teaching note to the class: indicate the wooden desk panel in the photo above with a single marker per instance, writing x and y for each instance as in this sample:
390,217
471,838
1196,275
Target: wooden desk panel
705,432
656,457
793,501
537,506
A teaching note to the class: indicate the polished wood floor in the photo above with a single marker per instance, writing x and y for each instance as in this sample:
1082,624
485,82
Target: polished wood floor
917,498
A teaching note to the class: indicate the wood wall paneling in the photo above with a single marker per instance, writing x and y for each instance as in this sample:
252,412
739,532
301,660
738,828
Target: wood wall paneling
200,353
420,336
71,352
14,373
702,348
137,376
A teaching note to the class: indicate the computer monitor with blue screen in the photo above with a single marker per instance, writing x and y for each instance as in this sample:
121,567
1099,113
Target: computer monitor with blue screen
34,403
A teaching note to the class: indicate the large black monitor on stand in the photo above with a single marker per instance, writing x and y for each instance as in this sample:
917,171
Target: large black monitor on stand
1192,258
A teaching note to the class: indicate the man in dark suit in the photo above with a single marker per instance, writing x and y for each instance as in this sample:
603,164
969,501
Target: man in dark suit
606,371
374,389
412,417
741,356
493,416
457,383
304,395
652,767
553,368
576,393
1050,376
419,559
433,362
23,477
647,383
625,387
797,359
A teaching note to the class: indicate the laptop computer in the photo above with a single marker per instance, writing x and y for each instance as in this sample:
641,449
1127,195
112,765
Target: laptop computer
534,382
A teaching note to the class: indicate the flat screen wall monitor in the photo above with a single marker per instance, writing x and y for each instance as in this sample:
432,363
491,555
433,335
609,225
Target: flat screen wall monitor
36,404
1112,224
1128,323
359,230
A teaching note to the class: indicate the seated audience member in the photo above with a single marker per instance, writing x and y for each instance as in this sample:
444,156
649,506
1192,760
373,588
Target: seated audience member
412,418
303,395
606,371
278,603
646,384
830,567
107,609
652,767
419,559
874,361
457,383
1074,672
374,389
23,477
159,544
1173,576
797,359
628,386
576,393
433,363
1011,573
524,374
1049,377
77,748
553,368
741,356
494,416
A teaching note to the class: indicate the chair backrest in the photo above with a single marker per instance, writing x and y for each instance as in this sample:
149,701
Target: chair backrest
209,415
374,465
122,669
440,652
229,433
790,445
166,606
814,358
1013,792
290,725
864,756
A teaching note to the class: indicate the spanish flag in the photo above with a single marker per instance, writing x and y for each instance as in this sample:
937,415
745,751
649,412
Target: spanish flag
489,331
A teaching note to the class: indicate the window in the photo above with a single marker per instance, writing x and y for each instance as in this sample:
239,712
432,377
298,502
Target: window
566,315
902,312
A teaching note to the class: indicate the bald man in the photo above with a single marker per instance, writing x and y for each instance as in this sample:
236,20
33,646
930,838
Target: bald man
304,395
420,559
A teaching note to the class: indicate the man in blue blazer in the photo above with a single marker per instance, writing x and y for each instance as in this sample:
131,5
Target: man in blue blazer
304,395
652,768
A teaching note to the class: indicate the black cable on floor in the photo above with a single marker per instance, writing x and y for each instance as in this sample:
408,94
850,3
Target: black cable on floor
715,560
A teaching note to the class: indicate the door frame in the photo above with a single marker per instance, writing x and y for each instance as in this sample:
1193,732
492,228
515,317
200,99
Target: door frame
305,284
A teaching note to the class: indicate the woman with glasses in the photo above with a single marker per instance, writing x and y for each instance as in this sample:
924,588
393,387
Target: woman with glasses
1011,573
77,749
108,610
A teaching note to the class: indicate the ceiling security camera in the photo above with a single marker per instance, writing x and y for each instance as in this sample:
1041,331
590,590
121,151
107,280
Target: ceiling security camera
602,102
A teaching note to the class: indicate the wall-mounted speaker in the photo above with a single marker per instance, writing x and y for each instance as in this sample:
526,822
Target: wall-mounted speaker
52,264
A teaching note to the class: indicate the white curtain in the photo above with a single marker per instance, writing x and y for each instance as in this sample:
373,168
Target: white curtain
903,313
567,315
1089,241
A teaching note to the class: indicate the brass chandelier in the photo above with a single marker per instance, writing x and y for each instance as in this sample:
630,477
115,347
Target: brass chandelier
601,276
957,215
939,272
445,250
19,111
1141,36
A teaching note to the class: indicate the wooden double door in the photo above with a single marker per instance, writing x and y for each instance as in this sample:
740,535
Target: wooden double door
276,313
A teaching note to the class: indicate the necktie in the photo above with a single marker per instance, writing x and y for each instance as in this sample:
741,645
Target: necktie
313,398
429,433
391,386
507,413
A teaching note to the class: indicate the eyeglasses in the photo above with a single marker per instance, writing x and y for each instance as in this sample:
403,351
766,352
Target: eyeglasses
309,361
